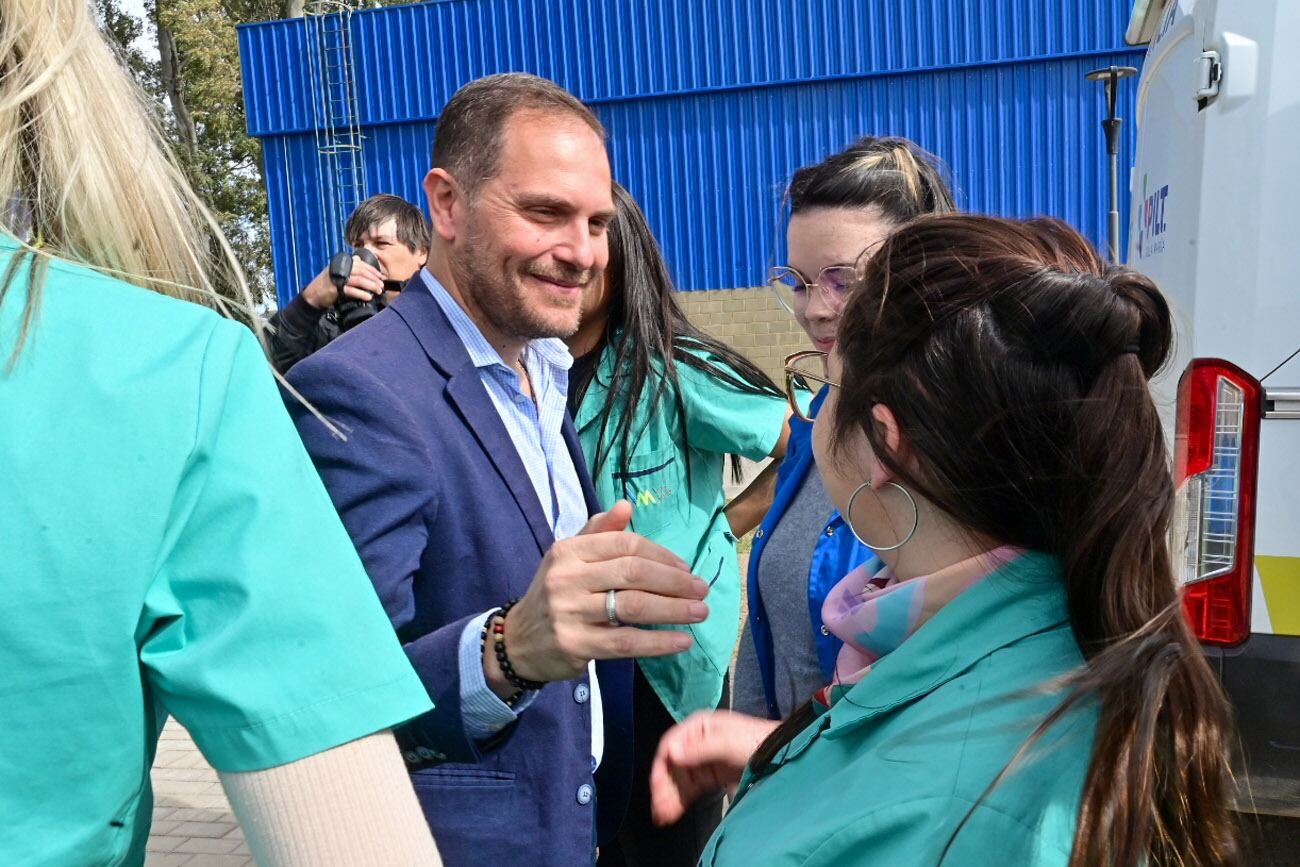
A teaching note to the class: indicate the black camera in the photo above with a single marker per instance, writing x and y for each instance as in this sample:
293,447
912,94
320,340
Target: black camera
349,311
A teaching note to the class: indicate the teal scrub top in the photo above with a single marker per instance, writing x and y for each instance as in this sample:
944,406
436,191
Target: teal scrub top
889,772
166,547
718,419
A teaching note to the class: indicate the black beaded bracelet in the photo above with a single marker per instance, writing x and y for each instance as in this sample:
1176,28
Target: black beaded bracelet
498,621
512,700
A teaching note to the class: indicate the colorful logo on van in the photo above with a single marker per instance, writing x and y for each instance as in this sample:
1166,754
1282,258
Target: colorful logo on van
1151,220
1166,23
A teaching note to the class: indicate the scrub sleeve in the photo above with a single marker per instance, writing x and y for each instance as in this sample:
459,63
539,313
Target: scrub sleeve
260,631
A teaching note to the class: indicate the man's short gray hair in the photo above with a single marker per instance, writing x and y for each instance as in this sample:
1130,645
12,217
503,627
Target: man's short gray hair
467,141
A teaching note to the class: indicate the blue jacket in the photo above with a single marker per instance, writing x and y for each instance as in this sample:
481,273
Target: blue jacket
836,554
442,512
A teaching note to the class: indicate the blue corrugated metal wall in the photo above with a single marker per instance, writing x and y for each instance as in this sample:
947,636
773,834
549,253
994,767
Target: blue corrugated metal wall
711,104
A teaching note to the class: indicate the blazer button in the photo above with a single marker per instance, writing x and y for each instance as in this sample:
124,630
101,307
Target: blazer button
581,693
412,757
584,794
825,631
830,531
430,755
758,534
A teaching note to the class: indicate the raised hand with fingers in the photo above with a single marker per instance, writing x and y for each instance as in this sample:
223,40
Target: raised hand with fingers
363,283
569,616
706,752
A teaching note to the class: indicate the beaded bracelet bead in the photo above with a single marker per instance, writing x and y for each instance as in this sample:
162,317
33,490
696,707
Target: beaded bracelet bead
498,621
512,700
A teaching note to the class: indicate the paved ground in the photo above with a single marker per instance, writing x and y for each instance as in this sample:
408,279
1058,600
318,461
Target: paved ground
192,822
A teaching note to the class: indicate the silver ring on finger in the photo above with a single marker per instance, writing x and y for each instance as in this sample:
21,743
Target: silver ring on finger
611,608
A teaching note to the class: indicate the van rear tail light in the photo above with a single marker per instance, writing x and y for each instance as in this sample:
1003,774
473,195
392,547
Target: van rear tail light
1212,534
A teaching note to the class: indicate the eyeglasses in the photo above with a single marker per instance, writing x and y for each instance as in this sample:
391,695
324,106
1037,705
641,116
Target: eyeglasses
791,287
801,370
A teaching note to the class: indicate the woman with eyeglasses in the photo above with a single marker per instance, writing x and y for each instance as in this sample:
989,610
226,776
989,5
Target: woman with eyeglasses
841,209
658,405
1018,684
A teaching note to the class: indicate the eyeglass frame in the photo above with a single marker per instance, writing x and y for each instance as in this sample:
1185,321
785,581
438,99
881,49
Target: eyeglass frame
790,373
837,303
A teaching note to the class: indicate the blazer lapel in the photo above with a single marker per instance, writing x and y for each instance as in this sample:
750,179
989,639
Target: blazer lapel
465,392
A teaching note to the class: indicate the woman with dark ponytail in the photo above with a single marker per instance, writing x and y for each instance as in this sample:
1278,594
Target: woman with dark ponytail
1018,685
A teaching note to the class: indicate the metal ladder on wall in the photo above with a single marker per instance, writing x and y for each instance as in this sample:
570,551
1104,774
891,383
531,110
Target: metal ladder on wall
333,94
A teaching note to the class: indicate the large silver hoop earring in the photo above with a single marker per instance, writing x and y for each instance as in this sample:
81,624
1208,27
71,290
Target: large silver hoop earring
916,518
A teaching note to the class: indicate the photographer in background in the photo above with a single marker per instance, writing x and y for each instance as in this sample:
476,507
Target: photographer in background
395,234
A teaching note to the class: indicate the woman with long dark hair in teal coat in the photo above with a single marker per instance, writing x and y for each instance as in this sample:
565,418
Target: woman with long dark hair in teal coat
659,405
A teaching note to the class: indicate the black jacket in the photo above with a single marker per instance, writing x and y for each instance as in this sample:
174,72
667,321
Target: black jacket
297,331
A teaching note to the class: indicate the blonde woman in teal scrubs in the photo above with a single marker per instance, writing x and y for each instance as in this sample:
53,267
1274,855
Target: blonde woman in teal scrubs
658,406
1017,686
166,547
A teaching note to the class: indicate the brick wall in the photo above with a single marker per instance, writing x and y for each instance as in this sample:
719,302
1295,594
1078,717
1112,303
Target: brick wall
750,321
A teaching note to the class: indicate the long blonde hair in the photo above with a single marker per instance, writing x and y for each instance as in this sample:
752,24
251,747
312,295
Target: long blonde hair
85,172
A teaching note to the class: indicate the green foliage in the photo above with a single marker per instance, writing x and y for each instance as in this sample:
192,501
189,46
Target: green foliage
192,73
223,163
125,31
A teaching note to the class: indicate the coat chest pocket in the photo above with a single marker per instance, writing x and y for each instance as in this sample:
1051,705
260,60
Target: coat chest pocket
461,777
654,483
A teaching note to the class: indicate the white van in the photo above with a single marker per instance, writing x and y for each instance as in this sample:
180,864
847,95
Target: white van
1216,223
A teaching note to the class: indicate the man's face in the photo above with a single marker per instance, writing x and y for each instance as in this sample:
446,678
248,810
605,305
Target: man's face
396,260
533,239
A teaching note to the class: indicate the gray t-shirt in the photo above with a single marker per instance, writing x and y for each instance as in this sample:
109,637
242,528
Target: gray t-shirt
783,583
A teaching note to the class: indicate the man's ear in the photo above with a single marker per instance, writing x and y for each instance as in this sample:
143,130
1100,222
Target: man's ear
445,203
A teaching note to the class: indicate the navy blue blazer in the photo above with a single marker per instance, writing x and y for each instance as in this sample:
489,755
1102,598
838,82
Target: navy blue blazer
442,512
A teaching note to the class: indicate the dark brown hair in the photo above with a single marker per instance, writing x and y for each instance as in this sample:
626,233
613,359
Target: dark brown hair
412,227
651,336
467,140
891,173
1008,351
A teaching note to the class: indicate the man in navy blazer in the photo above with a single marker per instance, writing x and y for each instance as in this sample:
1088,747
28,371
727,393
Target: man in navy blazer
459,476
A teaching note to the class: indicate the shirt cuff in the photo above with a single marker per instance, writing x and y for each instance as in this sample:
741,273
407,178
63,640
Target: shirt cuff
482,712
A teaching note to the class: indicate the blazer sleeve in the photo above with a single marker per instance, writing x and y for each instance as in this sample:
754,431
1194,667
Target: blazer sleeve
372,472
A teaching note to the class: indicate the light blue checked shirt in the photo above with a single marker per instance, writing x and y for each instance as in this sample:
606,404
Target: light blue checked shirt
535,427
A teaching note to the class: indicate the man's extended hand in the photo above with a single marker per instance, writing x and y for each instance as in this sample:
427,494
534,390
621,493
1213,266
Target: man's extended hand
363,284
560,623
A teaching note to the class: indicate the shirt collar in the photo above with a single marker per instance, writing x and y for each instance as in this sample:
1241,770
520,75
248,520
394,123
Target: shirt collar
1022,598
550,350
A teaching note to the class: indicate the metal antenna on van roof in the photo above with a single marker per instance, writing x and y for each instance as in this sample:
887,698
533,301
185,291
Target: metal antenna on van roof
1110,76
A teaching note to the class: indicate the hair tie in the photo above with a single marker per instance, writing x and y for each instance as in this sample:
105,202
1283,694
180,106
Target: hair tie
1132,349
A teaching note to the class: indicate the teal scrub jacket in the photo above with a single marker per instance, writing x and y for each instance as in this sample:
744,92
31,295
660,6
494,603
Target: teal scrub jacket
166,547
889,772
719,419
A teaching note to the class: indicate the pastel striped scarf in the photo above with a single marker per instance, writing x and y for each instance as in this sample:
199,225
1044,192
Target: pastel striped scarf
874,613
